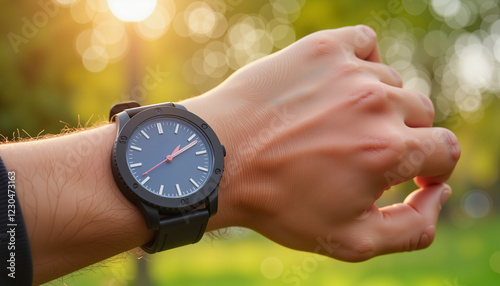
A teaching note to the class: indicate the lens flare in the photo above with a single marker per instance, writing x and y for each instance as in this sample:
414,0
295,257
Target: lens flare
132,10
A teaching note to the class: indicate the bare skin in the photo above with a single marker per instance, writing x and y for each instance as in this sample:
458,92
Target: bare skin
314,134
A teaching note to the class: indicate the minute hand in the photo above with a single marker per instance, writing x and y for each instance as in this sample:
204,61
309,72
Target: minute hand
185,148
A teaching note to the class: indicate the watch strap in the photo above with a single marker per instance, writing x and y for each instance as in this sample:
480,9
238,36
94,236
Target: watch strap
133,107
180,230
119,107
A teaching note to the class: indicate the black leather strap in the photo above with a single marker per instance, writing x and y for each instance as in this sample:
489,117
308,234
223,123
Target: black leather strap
132,108
176,231
119,107
173,231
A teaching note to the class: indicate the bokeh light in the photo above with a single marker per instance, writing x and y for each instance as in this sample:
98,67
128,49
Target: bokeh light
201,19
95,58
248,40
156,25
66,2
82,12
495,262
88,38
232,42
271,268
112,31
465,63
476,204
101,6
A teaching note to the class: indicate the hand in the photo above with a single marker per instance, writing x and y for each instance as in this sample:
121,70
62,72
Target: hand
314,135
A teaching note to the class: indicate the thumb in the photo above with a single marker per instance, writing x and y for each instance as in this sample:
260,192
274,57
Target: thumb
409,225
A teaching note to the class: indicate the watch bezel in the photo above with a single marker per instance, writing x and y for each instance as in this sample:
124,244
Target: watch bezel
135,191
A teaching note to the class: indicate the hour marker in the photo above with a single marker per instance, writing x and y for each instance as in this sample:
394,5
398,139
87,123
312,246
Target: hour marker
160,129
135,165
176,128
191,138
161,190
201,152
178,189
202,169
145,180
145,135
136,148
194,183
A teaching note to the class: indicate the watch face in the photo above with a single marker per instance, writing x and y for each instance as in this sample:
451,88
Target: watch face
167,160
169,157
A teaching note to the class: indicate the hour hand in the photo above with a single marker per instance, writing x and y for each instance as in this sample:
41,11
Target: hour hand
177,151
171,156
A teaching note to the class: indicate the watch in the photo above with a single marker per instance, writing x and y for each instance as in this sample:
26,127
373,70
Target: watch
168,162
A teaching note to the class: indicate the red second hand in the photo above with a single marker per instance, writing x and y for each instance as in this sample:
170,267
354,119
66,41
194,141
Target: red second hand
154,167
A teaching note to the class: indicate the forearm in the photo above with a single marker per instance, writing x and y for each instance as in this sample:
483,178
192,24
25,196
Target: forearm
74,213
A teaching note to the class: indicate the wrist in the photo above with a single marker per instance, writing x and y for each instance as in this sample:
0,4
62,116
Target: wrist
235,128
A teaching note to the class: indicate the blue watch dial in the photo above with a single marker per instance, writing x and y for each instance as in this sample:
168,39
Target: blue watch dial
169,157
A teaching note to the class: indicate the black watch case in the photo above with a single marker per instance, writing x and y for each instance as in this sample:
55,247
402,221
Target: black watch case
134,191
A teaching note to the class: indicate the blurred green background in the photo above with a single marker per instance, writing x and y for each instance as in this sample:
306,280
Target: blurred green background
65,62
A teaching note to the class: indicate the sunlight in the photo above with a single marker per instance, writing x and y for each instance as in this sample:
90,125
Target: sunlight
132,10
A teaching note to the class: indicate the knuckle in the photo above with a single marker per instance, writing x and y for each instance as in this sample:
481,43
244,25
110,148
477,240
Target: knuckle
382,153
350,67
376,150
408,158
321,44
425,240
360,249
372,96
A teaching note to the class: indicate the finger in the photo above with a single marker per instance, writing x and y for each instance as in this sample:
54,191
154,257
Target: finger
416,108
440,150
430,153
387,74
359,40
413,108
410,225
374,56
384,73
423,181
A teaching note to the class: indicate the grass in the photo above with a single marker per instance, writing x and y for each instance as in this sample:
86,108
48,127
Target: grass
459,256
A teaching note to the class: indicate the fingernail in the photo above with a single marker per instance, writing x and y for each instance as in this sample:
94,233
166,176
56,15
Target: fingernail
427,103
397,76
368,31
427,237
424,241
453,144
445,194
